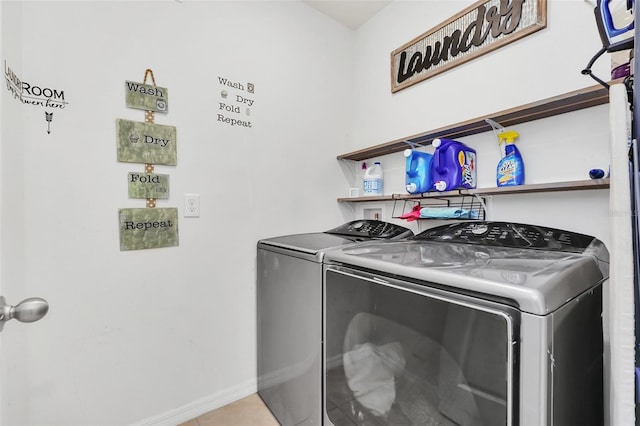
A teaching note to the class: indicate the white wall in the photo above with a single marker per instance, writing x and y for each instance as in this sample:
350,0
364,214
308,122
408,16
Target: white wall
544,64
134,335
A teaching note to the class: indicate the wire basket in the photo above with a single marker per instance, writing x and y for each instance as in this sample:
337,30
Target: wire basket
465,207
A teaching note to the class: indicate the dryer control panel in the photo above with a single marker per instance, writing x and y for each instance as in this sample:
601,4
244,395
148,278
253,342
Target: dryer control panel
506,234
369,228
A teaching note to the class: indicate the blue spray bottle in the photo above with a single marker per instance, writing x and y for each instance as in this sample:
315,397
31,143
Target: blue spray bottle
510,170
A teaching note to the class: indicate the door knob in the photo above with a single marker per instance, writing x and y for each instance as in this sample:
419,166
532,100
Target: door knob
29,310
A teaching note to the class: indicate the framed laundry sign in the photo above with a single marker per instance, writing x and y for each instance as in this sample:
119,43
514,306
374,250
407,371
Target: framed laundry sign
480,28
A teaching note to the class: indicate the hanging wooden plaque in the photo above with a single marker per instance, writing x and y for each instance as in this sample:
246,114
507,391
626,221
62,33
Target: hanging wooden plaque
480,28
148,185
146,143
148,228
147,97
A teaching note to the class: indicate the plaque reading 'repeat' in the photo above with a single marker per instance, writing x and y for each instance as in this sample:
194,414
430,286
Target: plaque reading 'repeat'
146,143
148,228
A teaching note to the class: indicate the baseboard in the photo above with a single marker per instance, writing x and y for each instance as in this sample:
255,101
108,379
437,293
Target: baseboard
201,406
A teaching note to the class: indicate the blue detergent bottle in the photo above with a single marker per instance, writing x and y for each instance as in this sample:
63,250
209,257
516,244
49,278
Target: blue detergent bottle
510,171
418,171
453,165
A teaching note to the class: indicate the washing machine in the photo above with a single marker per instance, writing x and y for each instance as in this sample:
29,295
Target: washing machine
289,315
475,323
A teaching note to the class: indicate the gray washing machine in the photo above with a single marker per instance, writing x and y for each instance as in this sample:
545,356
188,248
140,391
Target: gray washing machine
476,323
289,315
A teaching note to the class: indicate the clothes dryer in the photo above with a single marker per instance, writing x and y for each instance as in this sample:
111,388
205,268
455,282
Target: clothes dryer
475,323
289,315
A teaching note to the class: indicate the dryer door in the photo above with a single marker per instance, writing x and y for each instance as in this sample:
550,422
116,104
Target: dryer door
289,326
402,353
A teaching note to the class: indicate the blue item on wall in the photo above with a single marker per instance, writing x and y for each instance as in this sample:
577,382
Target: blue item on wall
615,22
596,173
418,171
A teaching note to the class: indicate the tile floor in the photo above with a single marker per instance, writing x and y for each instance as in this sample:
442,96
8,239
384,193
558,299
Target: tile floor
249,411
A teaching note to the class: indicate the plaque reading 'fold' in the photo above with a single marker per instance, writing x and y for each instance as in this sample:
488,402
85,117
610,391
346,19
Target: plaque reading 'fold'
148,228
146,143
148,185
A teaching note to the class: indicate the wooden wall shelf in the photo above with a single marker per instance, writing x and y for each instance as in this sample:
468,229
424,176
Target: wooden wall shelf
568,102
581,185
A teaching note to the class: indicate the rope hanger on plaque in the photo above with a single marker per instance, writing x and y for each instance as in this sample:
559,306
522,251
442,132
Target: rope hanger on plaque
148,118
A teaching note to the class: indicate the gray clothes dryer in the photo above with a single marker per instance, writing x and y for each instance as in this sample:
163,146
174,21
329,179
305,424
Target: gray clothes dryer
473,324
289,315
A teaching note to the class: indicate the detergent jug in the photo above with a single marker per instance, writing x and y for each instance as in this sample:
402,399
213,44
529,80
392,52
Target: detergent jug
453,165
373,182
418,171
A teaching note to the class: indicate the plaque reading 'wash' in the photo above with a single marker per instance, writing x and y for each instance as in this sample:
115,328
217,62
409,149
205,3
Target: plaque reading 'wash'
146,143
147,97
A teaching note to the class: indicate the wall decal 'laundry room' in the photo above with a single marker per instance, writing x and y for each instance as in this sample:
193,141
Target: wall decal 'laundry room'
35,94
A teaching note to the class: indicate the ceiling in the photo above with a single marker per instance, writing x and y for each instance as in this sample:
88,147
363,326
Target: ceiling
351,13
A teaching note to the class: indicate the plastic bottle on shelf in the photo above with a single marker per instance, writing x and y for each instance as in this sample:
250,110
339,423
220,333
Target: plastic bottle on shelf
453,165
373,182
418,171
510,171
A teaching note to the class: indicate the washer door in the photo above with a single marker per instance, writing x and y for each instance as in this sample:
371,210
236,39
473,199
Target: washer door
400,353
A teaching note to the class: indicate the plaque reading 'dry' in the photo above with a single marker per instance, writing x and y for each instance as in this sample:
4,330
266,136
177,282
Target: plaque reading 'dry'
147,143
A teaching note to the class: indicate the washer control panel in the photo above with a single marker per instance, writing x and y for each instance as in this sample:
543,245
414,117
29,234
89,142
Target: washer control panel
369,228
506,234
